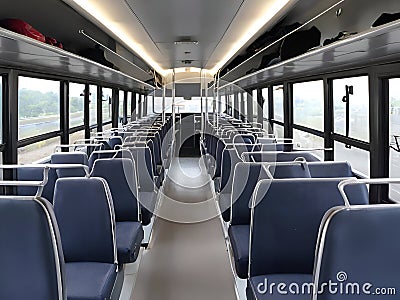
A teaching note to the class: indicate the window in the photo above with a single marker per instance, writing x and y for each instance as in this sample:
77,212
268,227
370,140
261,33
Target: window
256,109
76,136
121,99
265,104
138,108
358,158
92,105
76,104
394,130
356,89
158,104
244,105
107,127
142,104
129,105
278,131
38,106
308,104
278,103
37,151
306,140
222,105
150,105
106,101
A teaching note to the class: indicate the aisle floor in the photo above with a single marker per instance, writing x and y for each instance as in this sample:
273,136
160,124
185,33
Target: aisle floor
186,260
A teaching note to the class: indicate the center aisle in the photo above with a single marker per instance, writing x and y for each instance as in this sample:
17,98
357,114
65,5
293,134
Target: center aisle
186,260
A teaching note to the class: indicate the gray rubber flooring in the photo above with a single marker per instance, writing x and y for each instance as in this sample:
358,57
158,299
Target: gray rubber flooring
187,257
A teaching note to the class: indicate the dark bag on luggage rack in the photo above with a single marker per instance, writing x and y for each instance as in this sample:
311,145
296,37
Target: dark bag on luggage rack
300,42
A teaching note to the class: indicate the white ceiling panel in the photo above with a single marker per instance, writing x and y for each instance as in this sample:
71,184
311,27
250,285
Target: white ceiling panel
150,27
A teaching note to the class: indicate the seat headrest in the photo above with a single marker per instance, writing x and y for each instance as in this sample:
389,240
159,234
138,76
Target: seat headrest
31,257
77,157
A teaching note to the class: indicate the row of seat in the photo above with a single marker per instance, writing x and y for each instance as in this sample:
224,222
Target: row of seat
93,228
289,223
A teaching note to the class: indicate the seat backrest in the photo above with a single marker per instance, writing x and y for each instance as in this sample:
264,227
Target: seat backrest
218,158
330,169
244,139
360,244
229,161
245,178
100,154
157,148
77,157
292,170
115,141
144,168
151,145
286,219
120,175
36,174
241,148
31,257
279,156
277,147
85,216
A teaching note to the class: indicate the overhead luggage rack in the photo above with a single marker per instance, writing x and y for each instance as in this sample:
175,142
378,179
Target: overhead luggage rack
18,51
380,45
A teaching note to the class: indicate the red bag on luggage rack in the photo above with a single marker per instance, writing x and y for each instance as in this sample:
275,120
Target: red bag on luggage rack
22,27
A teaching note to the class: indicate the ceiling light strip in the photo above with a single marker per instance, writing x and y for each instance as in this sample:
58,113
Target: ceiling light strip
96,13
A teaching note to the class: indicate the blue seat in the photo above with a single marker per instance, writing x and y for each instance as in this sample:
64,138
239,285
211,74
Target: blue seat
100,154
31,257
330,169
129,239
77,157
239,237
115,141
88,280
244,139
120,175
246,176
285,221
85,216
36,174
294,170
218,158
224,186
147,182
360,243
278,156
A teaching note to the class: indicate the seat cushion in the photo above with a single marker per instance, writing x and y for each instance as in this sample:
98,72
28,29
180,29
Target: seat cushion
129,238
293,286
239,236
90,280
